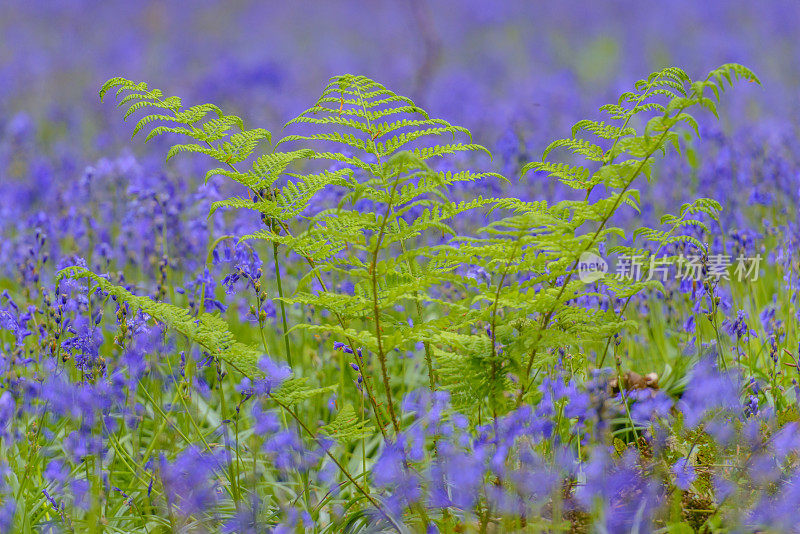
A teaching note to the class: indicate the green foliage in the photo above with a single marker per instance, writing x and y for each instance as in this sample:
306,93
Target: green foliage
298,389
347,426
492,309
496,310
204,123
533,304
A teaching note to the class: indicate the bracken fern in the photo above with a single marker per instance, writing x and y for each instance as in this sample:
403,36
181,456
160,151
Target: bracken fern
490,309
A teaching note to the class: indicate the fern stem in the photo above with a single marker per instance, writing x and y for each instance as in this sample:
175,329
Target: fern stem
494,327
31,452
379,239
628,300
622,381
382,356
608,341
232,475
376,312
277,279
283,306
426,344
350,343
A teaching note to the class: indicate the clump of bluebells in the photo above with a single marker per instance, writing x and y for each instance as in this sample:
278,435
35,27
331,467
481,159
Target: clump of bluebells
531,469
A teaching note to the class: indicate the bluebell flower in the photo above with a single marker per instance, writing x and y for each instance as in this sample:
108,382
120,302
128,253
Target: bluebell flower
189,481
247,520
274,375
81,494
57,473
288,452
684,473
625,498
8,407
786,441
50,499
737,328
708,391
778,511
390,467
8,508
688,325
648,404
721,429
266,422
79,444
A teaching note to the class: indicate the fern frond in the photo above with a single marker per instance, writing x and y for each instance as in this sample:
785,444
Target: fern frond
572,175
346,139
238,147
209,331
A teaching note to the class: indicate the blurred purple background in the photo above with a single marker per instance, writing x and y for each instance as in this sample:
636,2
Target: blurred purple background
486,65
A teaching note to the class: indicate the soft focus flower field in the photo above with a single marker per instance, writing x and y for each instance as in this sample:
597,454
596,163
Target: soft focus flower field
502,403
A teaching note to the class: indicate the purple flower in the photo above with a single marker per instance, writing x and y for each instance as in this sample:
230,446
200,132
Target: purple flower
344,347
684,473
247,520
80,444
266,422
289,453
274,375
8,509
786,441
389,469
338,345
723,488
708,391
461,477
7,408
51,500
56,473
189,481
737,328
648,405
778,512
626,498
81,496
